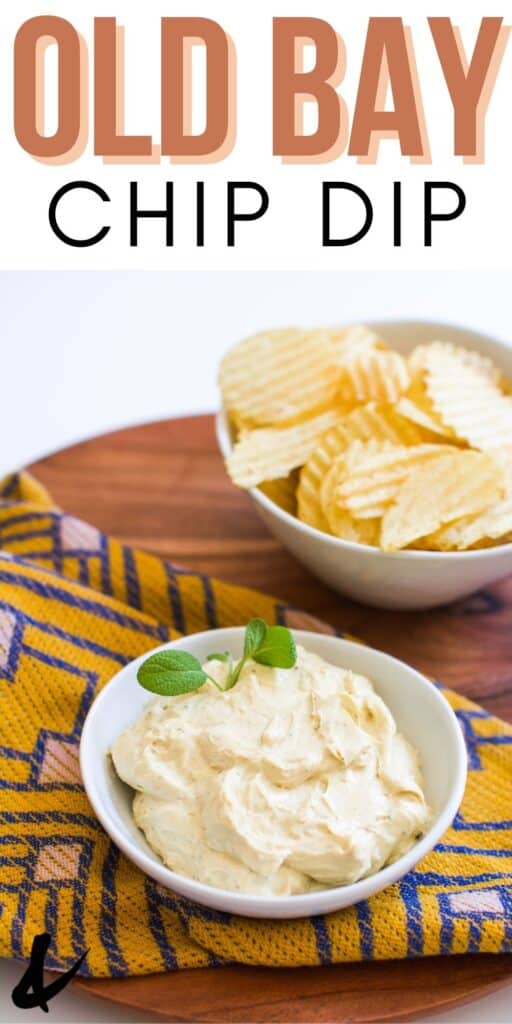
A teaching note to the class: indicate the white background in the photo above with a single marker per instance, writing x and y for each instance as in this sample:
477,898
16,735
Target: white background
83,353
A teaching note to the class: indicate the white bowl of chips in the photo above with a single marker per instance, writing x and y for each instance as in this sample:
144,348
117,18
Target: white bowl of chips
398,493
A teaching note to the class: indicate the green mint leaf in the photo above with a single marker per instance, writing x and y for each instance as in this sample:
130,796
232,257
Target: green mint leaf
278,648
225,656
255,633
171,673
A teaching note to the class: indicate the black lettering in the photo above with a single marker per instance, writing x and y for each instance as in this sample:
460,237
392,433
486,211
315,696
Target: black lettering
136,214
200,214
233,216
327,188
397,213
430,217
52,214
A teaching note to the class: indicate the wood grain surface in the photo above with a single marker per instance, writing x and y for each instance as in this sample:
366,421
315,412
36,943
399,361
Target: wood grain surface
162,486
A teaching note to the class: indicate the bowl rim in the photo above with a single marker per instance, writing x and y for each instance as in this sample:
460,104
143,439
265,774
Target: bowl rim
224,442
301,904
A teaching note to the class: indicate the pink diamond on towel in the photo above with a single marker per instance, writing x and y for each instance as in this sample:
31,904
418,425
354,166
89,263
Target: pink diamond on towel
60,763
7,627
58,863
77,535
477,901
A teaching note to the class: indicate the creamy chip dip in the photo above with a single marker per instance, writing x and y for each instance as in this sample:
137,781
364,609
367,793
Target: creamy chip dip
293,780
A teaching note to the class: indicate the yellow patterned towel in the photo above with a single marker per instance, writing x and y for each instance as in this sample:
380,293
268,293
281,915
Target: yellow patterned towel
74,607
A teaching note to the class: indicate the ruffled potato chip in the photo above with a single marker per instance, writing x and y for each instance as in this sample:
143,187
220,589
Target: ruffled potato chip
481,530
352,341
268,453
340,522
421,356
279,377
357,531
330,483
381,422
416,407
373,473
283,491
378,375
468,401
309,508
369,422
442,489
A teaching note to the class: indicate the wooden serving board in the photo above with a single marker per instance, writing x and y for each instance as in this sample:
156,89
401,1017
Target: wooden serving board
163,487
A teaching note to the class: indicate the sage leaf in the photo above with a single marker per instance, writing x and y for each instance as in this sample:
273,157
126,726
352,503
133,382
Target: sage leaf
278,649
171,673
255,633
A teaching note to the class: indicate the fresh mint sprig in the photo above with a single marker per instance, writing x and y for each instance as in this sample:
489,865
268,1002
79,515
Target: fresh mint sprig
171,673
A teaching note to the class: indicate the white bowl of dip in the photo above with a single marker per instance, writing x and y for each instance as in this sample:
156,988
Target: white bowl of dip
421,713
402,579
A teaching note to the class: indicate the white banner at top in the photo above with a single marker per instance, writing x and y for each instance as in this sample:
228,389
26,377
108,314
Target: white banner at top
296,136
